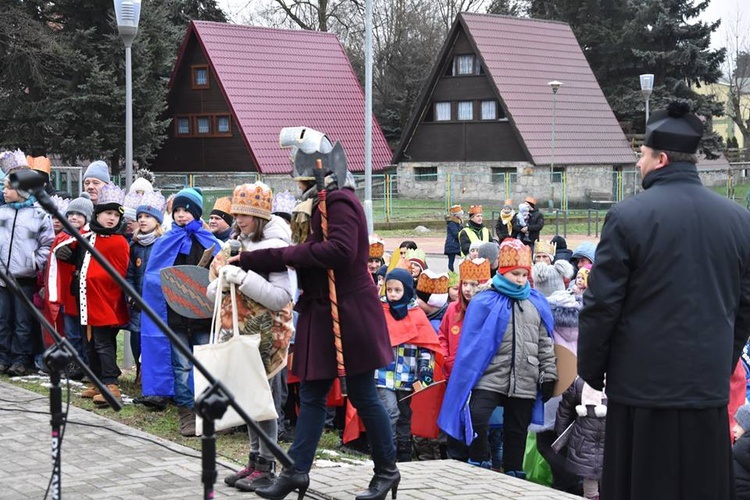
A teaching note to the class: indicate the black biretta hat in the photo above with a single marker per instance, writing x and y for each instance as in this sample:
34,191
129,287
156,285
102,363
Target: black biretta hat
674,129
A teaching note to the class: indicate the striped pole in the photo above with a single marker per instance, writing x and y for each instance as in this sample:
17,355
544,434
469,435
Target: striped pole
340,368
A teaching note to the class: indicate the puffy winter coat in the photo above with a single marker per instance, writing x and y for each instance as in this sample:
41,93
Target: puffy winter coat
586,442
452,227
741,455
525,357
26,236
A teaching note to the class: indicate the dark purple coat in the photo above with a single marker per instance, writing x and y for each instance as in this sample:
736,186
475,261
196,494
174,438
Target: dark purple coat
364,334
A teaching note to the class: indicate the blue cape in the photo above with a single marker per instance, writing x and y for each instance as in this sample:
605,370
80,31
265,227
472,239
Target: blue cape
483,330
156,353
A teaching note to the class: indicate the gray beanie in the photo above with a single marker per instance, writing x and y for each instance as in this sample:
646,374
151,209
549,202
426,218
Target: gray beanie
743,416
97,170
81,205
550,278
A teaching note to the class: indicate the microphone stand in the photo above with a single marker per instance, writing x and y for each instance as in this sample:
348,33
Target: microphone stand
219,396
57,357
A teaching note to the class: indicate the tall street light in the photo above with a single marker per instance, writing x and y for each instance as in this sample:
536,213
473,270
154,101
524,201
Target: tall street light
128,14
647,86
555,86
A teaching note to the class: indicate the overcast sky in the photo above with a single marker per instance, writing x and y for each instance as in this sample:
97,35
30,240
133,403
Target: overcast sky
726,10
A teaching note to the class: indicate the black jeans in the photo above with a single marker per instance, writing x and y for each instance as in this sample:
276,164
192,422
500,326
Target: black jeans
102,353
312,416
516,420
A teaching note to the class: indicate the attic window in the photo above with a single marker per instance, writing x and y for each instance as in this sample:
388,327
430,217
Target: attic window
182,125
465,110
442,111
465,64
203,125
489,110
223,125
200,77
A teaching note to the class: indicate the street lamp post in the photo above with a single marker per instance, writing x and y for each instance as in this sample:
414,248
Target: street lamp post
128,14
555,86
647,86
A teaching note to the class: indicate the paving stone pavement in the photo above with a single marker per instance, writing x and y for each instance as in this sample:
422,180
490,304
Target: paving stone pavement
113,462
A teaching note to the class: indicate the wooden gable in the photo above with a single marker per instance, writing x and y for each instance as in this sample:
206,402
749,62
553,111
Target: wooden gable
199,104
429,137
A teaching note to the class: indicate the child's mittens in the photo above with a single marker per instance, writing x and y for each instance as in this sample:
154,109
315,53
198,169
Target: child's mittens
547,389
234,274
581,410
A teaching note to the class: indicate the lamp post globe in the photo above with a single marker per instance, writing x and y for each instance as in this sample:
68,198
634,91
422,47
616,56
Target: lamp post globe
647,87
128,14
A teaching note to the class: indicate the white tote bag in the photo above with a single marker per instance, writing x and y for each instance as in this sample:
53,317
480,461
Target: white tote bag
238,365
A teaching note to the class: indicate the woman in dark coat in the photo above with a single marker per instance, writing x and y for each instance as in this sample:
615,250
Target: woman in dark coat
364,337
453,224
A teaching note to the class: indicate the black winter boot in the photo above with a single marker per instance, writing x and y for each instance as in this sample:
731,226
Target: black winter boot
403,451
386,478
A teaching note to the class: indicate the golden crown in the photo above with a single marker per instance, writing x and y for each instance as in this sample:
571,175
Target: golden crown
430,282
475,209
475,270
223,204
513,253
542,246
252,199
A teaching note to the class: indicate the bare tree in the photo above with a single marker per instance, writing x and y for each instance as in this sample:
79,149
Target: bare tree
737,74
449,9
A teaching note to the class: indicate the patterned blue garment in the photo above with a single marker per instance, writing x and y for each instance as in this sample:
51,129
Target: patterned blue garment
403,370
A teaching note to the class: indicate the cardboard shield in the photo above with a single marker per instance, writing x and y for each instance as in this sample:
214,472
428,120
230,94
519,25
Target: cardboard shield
567,369
184,289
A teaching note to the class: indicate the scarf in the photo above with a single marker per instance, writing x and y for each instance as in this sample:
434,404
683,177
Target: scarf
507,219
107,231
146,239
18,205
504,286
400,308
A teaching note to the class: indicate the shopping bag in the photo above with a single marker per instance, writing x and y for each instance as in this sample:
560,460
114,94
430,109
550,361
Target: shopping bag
238,365
536,467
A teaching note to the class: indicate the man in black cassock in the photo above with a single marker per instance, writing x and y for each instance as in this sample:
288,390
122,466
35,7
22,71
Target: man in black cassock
665,317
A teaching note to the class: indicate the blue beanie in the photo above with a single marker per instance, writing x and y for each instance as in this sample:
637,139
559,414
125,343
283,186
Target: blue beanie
191,199
151,210
97,170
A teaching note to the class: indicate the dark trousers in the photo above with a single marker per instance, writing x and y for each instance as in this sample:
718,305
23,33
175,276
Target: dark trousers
312,414
451,260
666,454
102,353
516,420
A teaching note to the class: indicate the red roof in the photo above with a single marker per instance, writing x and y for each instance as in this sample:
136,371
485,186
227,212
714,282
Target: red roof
274,78
521,56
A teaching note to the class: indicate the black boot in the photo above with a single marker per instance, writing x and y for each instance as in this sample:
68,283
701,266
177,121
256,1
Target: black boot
285,483
403,451
386,478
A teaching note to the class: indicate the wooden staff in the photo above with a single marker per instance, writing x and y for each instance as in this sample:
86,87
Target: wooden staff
340,368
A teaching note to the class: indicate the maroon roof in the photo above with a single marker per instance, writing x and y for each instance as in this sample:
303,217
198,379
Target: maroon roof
274,78
521,56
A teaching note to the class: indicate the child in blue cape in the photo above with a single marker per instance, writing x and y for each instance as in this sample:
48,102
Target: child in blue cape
505,358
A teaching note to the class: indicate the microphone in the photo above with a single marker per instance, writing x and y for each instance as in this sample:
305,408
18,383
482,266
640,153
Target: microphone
27,180
234,247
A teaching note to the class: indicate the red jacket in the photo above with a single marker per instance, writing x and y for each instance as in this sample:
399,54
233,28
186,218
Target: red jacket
449,334
102,300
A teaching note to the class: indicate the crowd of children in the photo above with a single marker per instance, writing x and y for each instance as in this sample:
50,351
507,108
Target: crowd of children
481,355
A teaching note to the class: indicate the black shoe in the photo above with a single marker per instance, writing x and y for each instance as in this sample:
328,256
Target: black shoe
285,483
154,402
386,478
17,370
74,371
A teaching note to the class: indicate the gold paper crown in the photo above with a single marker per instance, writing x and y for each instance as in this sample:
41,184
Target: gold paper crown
542,246
430,282
377,248
252,199
475,270
417,255
40,163
223,204
513,254
453,279
475,209
456,208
